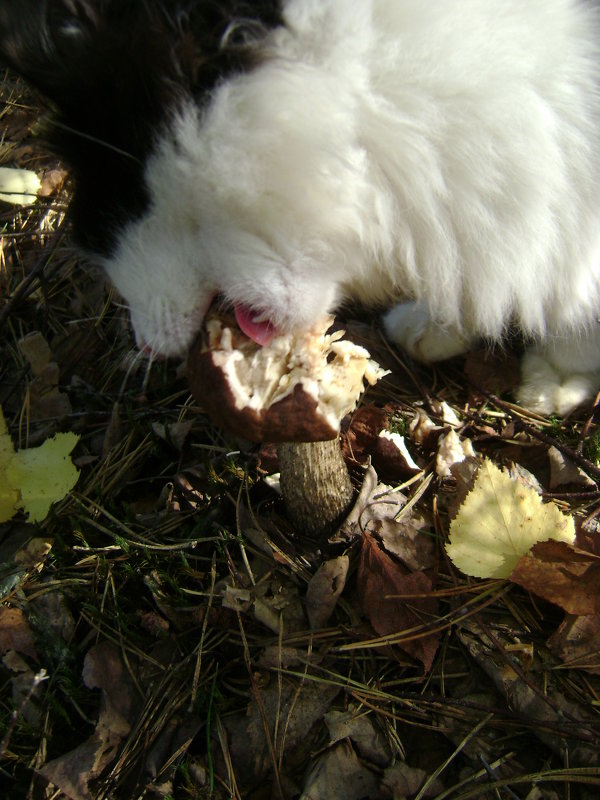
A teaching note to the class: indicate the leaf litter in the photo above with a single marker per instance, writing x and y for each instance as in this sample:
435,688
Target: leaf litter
166,633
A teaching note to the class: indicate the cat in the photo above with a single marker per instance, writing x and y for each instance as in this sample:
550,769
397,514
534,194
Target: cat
440,159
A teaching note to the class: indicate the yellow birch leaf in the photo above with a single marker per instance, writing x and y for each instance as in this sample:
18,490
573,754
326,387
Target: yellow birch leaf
8,495
43,475
499,521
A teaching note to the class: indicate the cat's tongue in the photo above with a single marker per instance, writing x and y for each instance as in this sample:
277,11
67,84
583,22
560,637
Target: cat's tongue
249,321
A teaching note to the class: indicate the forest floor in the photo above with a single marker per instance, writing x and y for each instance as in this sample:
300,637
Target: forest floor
161,631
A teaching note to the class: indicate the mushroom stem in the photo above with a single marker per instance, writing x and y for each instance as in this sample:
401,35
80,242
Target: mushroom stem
315,485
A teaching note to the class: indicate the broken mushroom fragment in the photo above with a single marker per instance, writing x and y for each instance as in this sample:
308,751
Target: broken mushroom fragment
297,388
294,390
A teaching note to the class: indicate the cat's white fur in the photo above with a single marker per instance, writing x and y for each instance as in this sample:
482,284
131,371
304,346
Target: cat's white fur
445,152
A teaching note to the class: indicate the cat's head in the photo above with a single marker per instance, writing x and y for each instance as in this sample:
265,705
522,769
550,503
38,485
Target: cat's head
166,144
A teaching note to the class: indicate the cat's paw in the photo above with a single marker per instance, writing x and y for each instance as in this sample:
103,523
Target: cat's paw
546,390
410,326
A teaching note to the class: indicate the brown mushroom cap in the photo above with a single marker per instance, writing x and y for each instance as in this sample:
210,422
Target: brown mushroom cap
296,388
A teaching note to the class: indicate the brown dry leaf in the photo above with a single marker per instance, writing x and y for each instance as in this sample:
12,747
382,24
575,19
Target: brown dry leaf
36,350
563,471
26,686
404,781
358,726
496,372
103,669
409,539
52,182
294,711
564,575
34,554
72,772
52,612
174,433
324,589
378,510
46,401
15,633
339,773
275,657
277,604
395,599
577,643
175,737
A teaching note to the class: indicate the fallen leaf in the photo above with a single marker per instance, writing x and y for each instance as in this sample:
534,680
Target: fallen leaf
174,433
49,610
235,598
26,688
338,773
379,511
565,576
395,599
52,182
563,471
289,712
15,633
496,372
33,556
35,478
358,726
410,539
577,643
499,521
104,669
36,350
324,589
175,737
73,771
275,657
9,496
404,781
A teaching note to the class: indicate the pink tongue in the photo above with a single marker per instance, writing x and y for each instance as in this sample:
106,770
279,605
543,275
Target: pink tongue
260,332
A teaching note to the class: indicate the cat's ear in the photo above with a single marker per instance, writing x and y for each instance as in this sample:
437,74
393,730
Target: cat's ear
42,40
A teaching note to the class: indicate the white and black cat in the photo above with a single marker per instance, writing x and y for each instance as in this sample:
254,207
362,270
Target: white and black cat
290,155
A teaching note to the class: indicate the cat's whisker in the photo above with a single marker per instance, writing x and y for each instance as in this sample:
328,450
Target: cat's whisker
88,137
133,359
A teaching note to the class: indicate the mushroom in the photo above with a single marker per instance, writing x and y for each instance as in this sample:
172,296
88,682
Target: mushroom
295,390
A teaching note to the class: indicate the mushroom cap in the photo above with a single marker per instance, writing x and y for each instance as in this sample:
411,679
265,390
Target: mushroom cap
297,388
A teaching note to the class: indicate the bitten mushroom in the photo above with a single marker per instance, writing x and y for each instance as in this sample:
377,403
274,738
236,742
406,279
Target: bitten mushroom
295,391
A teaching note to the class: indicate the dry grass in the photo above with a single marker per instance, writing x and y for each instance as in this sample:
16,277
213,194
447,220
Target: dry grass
198,696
